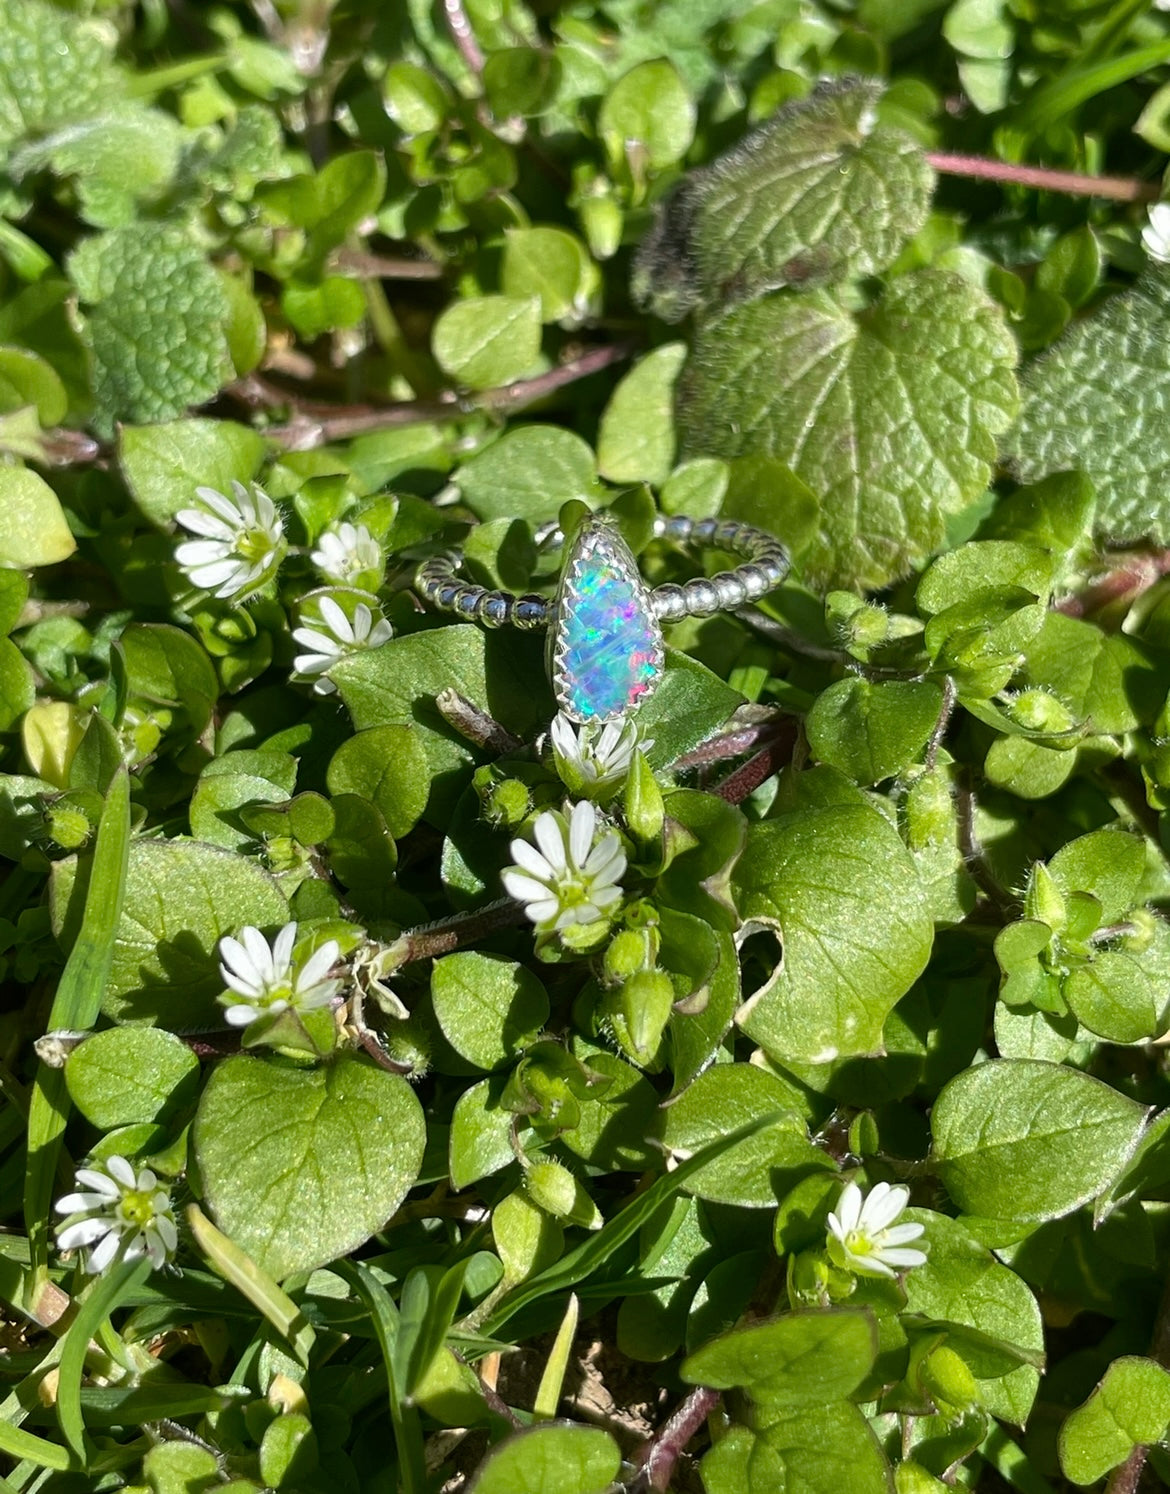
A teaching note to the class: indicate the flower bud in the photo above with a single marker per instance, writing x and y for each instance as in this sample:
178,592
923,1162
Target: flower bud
948,1379
630,950
551,1187
1040,710
1043,899
507,803
638,1012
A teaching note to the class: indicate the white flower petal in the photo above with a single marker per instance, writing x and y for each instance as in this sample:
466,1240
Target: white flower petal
904,1258
103,1252
849,1208
523,888
83,1232
121,1171
551,840
240,1016
528,857
319,963
581,827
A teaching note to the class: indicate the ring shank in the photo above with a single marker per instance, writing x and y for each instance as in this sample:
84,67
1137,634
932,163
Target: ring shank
765,564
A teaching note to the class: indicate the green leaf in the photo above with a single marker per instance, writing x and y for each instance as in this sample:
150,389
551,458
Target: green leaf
890,415
388,765
1017,1139
823,1450
1095,402
155,311
842,892
54,67
232,782
690,705
529,473
181,898
1129,1408
1109,679
130,1075
636,440
1114,997
325,306
481,1131
797,1361
556,1458
167,668
487,341
288,1451
873,731
301,1166
758,1171
1109,864
962,1283
27,379
489,1008
163,464
397,684
33,530
821,193
550,263
647,117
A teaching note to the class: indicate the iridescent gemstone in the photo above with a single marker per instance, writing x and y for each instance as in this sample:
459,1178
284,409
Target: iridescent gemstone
606,653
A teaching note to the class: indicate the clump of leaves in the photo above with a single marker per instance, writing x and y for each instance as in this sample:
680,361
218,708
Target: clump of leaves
386,1058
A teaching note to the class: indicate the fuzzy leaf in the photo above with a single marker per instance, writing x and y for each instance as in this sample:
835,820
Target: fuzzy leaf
53,68
890,416
155,315
819,193
1096,401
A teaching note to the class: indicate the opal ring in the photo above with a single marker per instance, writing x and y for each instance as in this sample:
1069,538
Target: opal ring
605,652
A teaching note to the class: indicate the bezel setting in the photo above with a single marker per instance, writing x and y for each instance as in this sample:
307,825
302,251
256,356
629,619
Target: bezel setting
598,544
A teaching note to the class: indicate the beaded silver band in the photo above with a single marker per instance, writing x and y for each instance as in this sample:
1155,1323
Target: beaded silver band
766,563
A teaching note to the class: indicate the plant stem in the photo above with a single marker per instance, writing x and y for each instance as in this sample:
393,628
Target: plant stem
744,781
660,1455
313,426
1045,178
446,934
1124,1480
1136,574
463,36
362,264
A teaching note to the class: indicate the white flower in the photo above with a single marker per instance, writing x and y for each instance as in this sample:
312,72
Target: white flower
123,1212
591,758
242,544
569,880
347,552
872,1245
262,979
1156,234
334,637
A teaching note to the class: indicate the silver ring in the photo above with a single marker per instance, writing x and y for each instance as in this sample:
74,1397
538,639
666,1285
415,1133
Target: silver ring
766,564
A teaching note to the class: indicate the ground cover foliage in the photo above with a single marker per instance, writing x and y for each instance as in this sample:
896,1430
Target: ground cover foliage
325,1162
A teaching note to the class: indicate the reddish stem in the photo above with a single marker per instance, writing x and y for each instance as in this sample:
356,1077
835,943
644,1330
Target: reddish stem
1045,178
661,1454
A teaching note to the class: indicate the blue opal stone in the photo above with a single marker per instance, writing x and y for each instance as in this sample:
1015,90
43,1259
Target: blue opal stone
607,653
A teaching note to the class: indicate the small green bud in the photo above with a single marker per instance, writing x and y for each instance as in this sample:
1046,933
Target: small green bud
408,1044
68,826
601,222
638,1012
1040,710
1042,899
948,1379
644,810
507,804
630,950
551,1187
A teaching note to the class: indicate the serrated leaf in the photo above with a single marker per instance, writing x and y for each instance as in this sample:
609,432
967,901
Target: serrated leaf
890,416
54,67
821,192
1018,1139
302,1166
842,893
155,314
1096,401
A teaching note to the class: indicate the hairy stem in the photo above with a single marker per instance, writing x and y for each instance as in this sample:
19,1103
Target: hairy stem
660,1456
462,35
1124,1480
1045,178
